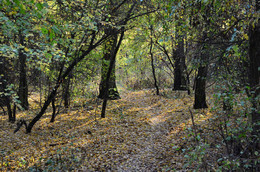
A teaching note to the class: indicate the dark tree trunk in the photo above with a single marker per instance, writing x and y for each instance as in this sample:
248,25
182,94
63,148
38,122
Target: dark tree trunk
254,74
5,100
109,73
200,80
66,91
93,44
200,88
53,110
60,79
109,51
180,82
23,87
152,64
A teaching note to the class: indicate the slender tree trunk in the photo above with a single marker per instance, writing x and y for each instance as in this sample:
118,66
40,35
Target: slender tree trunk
60,79
152,64
93,44
53,110
23,87
109,51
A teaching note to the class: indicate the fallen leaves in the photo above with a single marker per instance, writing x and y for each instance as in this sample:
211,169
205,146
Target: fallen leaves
138,134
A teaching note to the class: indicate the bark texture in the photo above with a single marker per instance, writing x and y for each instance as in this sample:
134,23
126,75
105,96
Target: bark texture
109,50
200,80
23,86
180,82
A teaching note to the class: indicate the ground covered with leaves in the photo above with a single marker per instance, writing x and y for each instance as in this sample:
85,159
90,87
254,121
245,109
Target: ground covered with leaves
141,132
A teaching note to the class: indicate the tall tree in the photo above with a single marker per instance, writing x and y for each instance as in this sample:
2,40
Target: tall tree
152,61
23,86
180,81
254,72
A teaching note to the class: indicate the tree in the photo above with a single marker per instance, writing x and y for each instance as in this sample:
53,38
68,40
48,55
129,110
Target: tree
180,81
200,80
91,37
109,51
5,90
152,61
254,73
23,86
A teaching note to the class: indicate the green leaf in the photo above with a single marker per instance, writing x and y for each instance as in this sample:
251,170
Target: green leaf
39,6
44,30
17,2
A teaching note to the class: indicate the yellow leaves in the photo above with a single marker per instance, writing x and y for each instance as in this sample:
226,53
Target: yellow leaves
12,13
26,49
245,36
148,126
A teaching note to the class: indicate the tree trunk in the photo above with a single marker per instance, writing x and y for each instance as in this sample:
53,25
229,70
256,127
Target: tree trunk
254,75
109,72
200,80
180,82
200,88
66,91
109,51
5,100
23,87
152,64
53,110
60,79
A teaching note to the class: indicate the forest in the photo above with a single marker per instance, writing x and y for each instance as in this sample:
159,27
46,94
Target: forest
129,85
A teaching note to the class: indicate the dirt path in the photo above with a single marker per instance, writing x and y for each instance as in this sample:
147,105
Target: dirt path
155,151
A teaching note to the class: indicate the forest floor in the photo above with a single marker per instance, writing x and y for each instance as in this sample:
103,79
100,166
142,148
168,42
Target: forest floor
141,132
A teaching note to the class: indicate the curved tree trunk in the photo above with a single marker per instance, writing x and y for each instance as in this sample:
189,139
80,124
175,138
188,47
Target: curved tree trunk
109,51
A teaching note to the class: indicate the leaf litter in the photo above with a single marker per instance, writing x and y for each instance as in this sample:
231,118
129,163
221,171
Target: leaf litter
141,132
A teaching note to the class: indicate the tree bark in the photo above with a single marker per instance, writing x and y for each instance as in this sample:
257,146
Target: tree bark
5,100
66,91
23,87
152,64
109,72
180,82
200,88
200,80
254,74
109,50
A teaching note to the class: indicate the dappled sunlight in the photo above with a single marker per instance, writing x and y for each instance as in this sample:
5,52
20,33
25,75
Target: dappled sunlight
139,125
